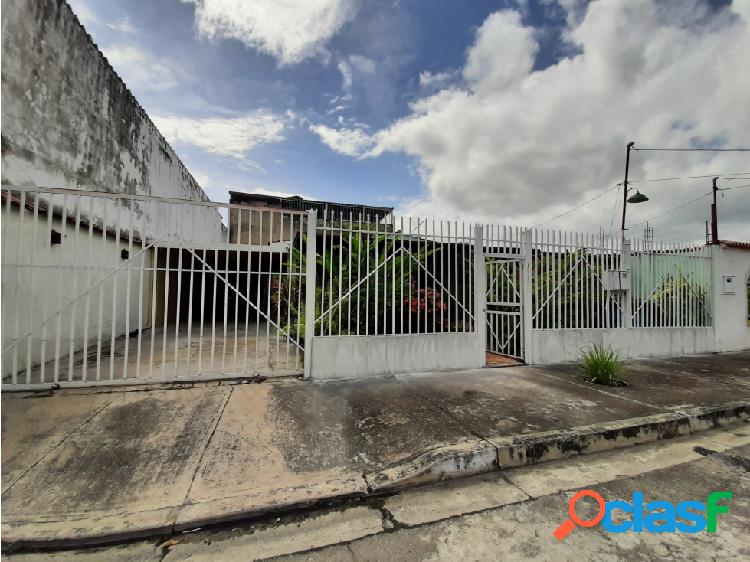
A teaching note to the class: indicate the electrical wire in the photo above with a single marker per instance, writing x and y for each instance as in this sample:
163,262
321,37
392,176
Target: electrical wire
693,149
734,187
614,209
722,176
577,206
688,203
671,210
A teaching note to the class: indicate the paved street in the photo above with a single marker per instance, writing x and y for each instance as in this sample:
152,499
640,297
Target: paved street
509,515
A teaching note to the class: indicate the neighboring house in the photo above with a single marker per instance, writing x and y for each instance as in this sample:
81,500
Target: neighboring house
269,224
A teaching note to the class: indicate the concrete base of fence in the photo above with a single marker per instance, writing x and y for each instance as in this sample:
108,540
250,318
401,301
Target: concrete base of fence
357,357
557,346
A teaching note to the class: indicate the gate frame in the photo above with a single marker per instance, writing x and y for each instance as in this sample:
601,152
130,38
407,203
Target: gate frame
480,289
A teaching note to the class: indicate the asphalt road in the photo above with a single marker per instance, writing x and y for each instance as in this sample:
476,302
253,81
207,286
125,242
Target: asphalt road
500,516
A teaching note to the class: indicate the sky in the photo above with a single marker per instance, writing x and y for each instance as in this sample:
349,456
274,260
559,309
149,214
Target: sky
512,112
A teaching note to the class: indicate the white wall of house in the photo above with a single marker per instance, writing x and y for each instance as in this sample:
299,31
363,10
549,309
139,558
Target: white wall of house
60,273
730,300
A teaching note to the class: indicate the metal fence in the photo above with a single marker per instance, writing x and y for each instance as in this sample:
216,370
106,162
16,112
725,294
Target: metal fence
406,276
103,288
670,285
568,289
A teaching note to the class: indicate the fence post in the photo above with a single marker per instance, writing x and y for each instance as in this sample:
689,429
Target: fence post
627,300
480,291
310,270
526,295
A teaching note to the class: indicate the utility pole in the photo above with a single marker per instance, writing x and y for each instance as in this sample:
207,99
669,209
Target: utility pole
714,219
625,186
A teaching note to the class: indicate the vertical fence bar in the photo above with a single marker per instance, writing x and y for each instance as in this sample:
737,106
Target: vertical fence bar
480,291
625,256
32,259
127,296
527,305
310,270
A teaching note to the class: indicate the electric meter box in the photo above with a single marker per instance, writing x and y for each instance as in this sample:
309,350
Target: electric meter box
729,282
616,280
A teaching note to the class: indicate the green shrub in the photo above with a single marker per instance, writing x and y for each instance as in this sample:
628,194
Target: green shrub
602,365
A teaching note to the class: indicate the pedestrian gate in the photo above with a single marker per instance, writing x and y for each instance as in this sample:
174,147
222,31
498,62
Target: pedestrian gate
504,315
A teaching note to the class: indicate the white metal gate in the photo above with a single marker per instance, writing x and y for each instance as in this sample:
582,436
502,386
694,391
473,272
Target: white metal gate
504,306
101,288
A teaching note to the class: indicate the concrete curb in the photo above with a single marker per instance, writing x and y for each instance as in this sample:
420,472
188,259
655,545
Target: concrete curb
454,460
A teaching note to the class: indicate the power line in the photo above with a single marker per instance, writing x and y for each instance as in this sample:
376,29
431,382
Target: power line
722,176
688,203
672,209
735,187
694,149
577,206
614,210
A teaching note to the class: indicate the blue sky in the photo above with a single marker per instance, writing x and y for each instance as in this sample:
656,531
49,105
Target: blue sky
505,111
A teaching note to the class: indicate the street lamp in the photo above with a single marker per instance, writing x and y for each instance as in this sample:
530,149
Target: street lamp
637,198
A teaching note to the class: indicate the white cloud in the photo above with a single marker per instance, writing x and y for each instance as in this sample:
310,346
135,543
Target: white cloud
434,80
519,145
288,30
124,26
233,137
350,142
502,55
346,79
142,70
363,64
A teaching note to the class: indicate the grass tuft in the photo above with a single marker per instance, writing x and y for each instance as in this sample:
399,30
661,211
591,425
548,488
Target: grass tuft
602,365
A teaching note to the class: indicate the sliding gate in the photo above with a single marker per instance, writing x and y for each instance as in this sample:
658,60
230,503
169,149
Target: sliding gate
101,288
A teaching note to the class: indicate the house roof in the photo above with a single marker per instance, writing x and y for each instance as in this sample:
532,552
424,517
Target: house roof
736,245
297,203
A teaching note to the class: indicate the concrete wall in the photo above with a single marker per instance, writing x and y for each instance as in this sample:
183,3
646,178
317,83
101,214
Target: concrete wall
68,120
351,357
555,346
731,309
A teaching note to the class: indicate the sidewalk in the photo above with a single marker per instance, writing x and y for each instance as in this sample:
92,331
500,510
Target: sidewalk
100,465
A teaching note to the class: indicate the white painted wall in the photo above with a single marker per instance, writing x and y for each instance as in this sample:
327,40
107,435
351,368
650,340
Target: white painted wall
355,357
556,346
60,273
730,310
